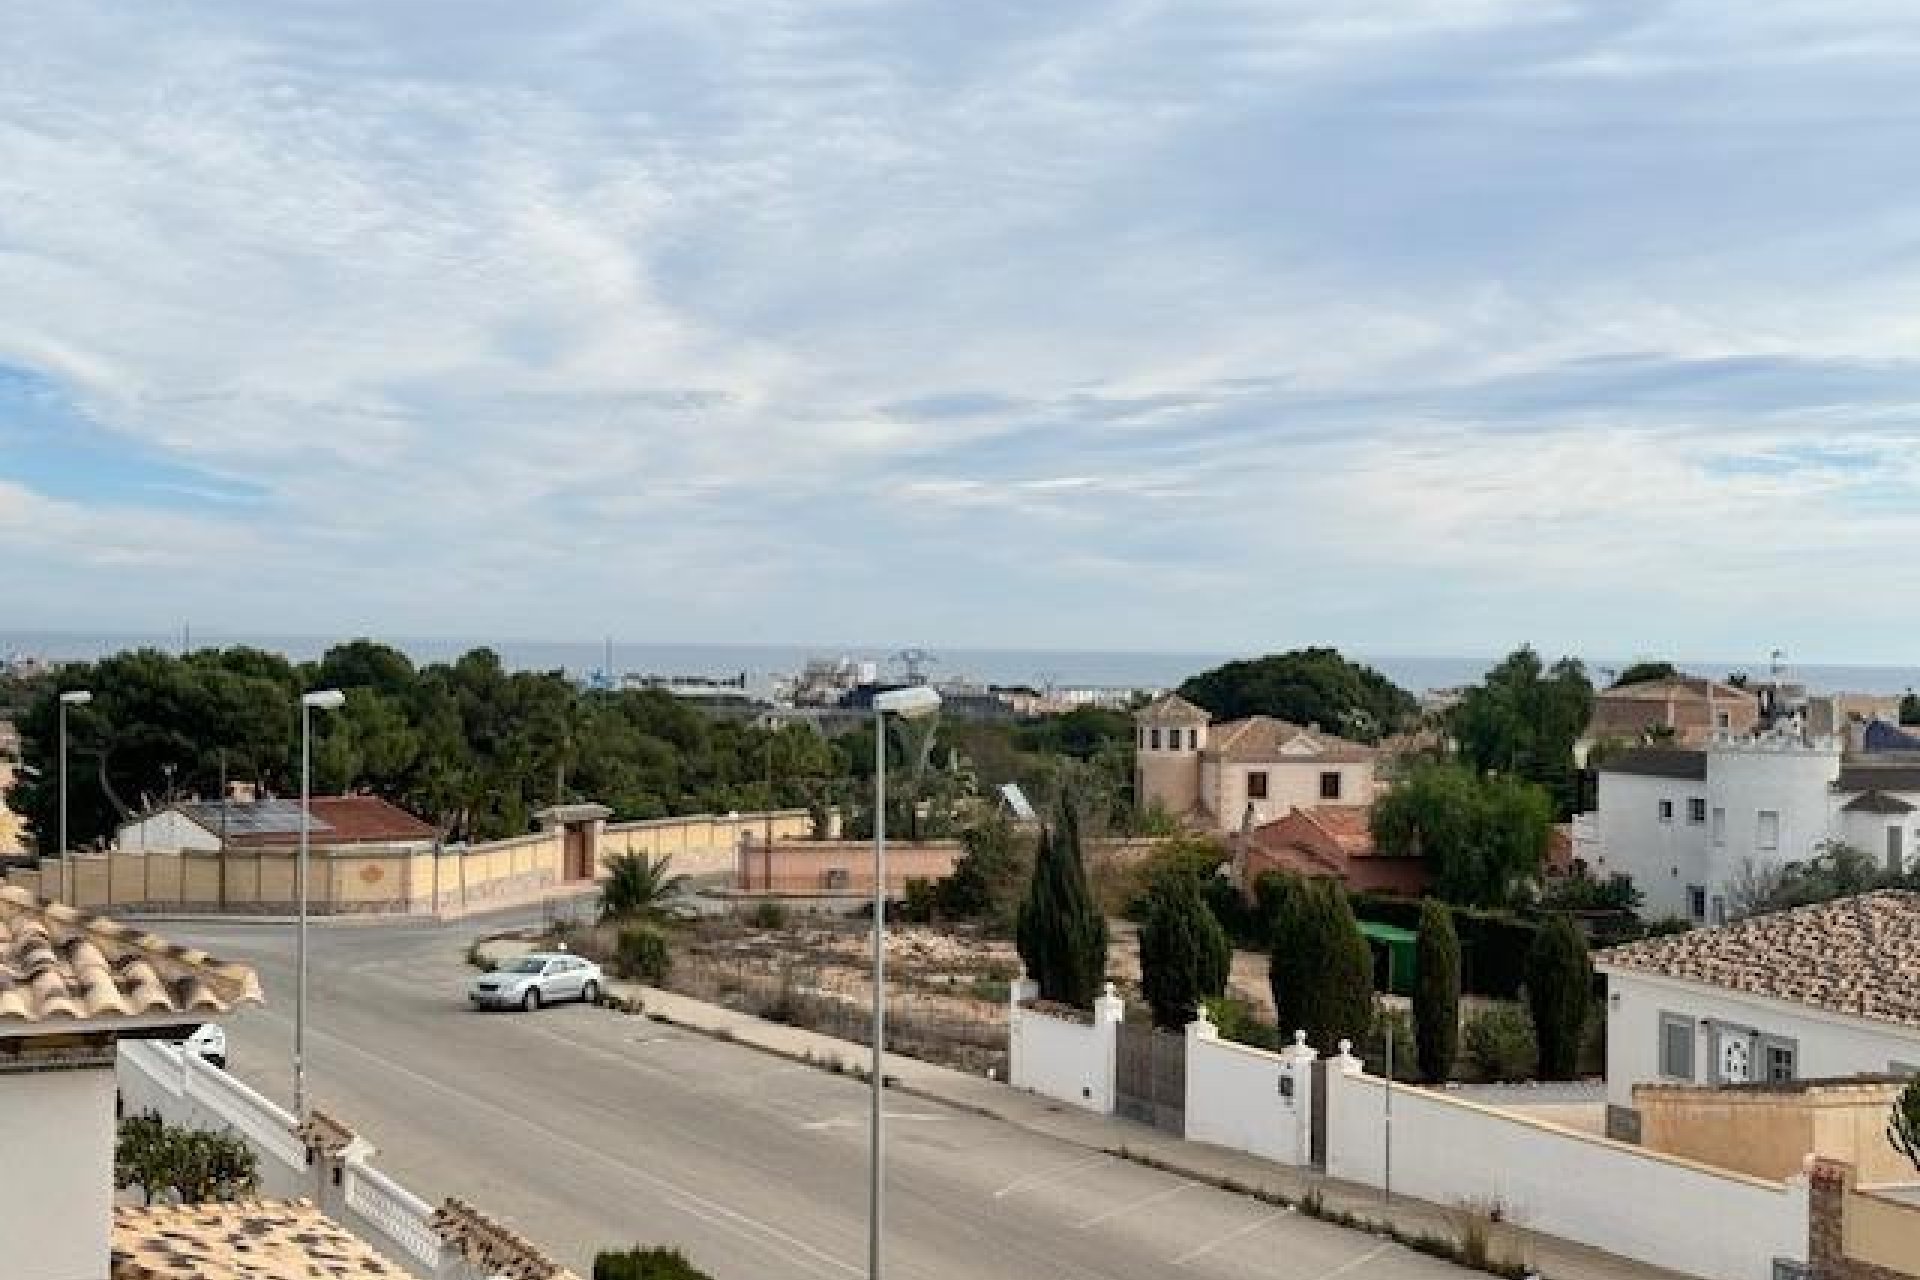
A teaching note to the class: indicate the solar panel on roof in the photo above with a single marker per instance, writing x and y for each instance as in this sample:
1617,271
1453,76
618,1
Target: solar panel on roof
254,818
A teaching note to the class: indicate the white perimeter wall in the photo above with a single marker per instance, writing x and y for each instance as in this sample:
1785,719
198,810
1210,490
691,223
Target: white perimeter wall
1624,1199
1063,1058
1235,1098
56,1174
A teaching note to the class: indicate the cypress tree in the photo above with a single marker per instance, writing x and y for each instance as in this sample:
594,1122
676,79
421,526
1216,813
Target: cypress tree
1559,987
1322,974
1184,955
1283,900
1061,936
1436,997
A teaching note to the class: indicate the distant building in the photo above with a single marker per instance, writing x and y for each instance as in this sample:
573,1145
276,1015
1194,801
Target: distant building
1686,823
337,821
1241,774
1332,842
1686,711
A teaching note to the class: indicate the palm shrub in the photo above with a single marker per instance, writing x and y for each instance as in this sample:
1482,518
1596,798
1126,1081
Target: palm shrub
1062,938
1436,994
1559,983
1903,1126
1322,970
650,1263
639,887
1184,955
641,953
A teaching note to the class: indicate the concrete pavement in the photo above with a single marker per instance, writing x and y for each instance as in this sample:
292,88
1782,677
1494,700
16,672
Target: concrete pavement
587,1129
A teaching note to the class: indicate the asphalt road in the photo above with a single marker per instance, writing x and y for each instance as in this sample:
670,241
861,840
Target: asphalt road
585,1129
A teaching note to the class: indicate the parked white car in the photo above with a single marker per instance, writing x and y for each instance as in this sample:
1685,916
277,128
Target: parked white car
210,1043
540,977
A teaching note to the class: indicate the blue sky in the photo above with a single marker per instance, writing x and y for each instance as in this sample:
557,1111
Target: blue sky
1418,326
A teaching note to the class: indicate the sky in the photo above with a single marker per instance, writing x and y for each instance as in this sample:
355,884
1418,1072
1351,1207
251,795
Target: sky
1195,325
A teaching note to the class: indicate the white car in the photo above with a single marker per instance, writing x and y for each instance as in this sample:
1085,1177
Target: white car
537,978
209,1043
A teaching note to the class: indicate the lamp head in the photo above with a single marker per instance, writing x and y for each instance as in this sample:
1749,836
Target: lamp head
324,699
910,703
77,697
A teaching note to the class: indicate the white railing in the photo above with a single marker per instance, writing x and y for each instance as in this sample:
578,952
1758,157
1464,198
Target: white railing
396,1212
259,1120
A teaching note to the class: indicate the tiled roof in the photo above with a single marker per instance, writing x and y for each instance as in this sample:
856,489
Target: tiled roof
57,963
492,1248
1348,825
248,1240
1876,802
1857,956
1171,708
1260,739
1856,776
1659,762
1684,688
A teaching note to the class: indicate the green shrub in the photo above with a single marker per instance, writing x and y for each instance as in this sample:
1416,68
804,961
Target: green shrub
1500,1043
191,1166
1237,1021
1322,969
641,953
768,915
1061,935
1373,1046
921,905
654,1263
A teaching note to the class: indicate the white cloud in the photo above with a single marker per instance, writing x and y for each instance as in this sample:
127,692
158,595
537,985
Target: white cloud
1216,324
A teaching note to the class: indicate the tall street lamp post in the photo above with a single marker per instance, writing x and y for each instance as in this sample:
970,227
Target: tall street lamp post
910,703
324,700
71,698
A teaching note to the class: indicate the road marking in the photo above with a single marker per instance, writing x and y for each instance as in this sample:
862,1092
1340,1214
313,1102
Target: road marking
746,1223
1048,1175
1362,1260
859,1117
1119,1209
1194,1255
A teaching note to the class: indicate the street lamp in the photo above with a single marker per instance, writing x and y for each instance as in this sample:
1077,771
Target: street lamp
324,700
910,703
71,698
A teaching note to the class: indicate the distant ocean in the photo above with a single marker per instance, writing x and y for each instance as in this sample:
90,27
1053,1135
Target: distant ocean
762,663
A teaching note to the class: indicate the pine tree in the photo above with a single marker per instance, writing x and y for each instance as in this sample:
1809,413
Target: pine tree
1436,997
1061,936
1184,954
1322,969
1559,989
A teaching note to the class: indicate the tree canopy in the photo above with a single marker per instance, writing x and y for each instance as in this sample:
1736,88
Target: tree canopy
1184,953
1646,673
1522,720
1484,839
1306,686
468,744
1061,935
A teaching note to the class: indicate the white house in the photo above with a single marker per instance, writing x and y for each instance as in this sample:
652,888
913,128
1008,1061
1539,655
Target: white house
70,987
1684,823
1818,992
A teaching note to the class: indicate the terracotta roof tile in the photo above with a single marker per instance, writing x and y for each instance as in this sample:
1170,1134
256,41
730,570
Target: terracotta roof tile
493,1249
56,963
334,820
1260,739
1858,956
1171,708
249,1240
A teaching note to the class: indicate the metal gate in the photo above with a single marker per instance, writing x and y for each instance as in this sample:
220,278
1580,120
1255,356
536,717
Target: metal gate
1317,1134
1150,1082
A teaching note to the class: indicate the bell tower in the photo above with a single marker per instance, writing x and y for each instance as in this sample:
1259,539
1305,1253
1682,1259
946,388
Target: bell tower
1169,735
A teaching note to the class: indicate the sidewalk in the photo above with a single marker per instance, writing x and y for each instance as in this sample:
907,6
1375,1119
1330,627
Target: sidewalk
1551,1256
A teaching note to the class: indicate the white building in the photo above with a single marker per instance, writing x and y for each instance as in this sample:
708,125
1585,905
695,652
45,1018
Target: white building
1685,823
1814,993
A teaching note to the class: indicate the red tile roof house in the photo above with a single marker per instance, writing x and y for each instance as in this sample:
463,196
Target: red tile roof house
335,822
1327,842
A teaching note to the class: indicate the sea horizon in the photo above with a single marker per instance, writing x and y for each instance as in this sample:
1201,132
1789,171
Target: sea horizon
761,663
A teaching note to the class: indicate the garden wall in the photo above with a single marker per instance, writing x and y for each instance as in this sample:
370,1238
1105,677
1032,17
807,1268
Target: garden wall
1065,1055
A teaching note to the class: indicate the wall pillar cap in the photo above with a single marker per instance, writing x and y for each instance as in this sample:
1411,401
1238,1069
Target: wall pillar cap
1202,1028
